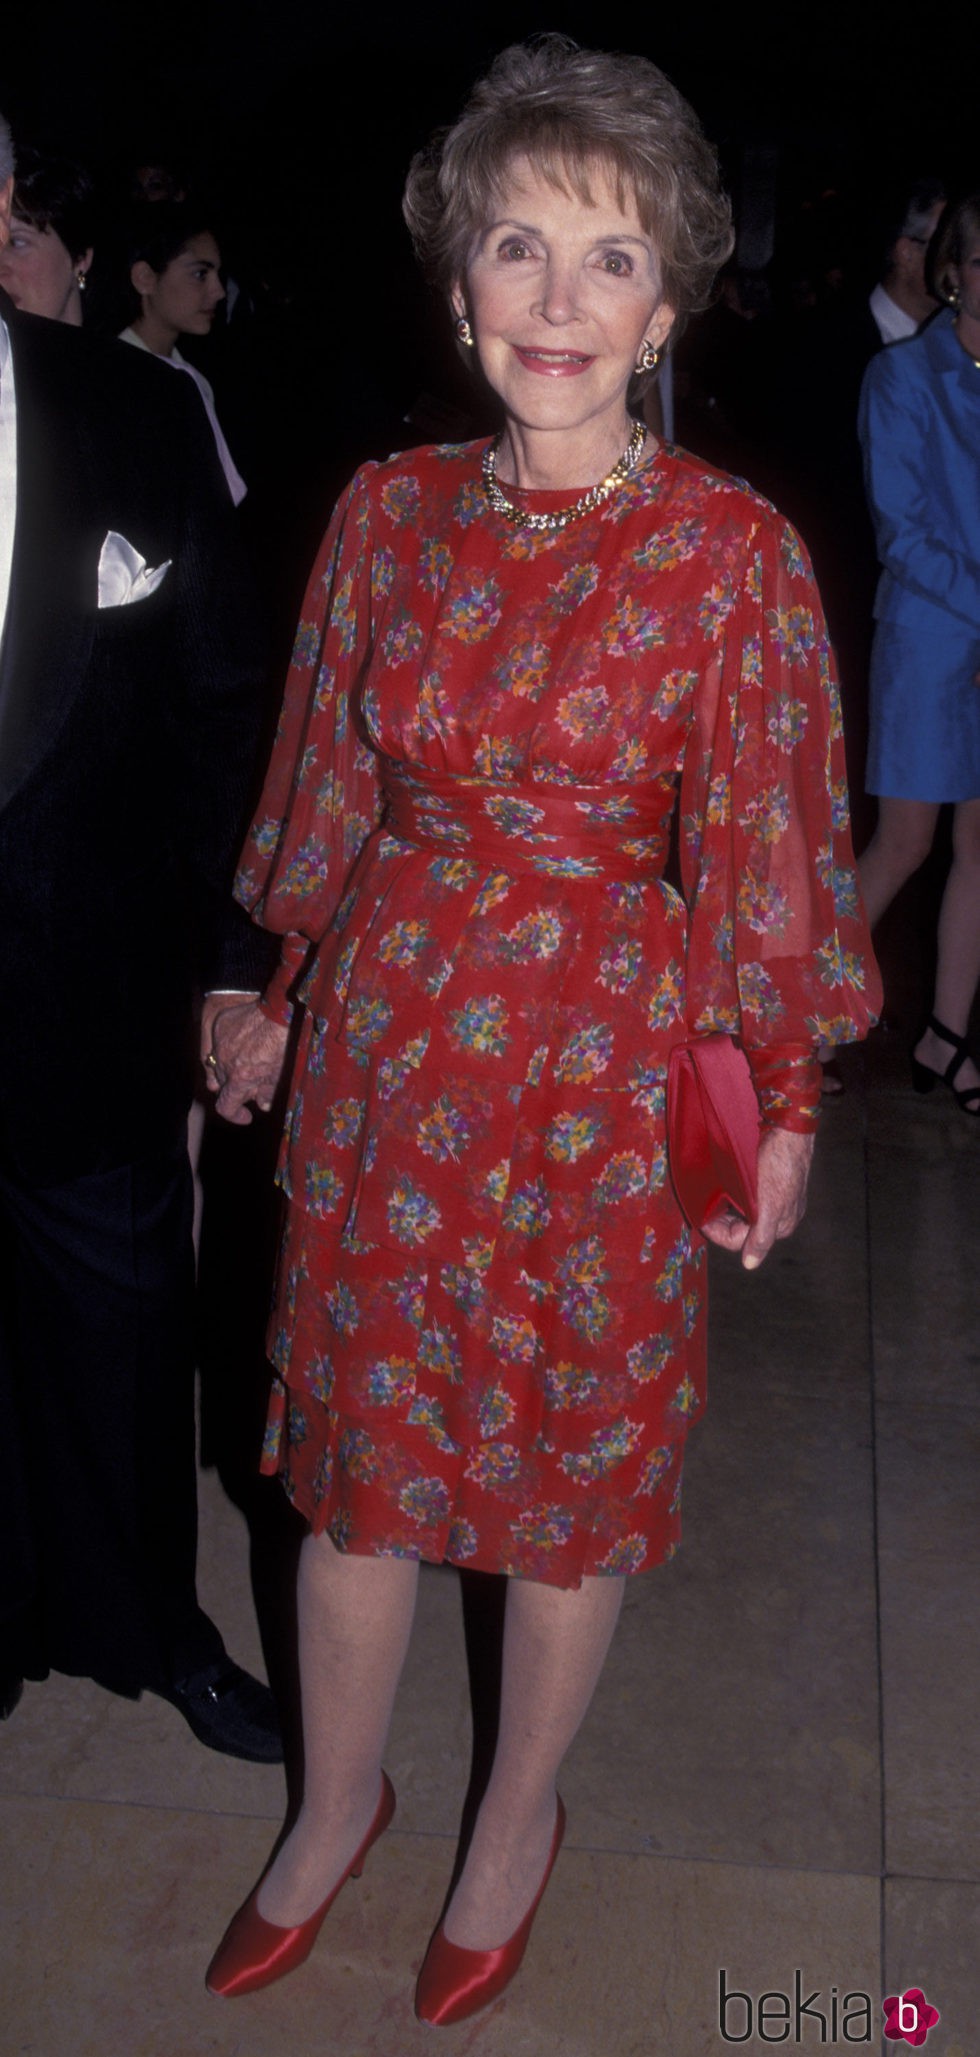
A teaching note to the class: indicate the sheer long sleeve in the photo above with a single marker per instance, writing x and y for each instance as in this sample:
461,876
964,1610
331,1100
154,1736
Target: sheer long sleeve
778,949
321,797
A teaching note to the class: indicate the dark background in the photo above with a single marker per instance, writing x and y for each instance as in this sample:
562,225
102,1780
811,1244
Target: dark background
299,122
245,82
305,117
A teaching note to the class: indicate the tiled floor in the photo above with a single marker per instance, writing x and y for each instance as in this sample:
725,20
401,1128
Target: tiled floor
780,1773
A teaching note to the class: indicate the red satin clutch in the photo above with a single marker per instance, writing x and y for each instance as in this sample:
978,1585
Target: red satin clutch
712,1129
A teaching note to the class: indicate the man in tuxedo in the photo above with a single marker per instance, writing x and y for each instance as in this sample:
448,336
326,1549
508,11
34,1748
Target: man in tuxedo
128,717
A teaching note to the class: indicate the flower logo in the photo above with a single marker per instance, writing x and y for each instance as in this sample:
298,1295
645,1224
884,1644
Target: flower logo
909,2017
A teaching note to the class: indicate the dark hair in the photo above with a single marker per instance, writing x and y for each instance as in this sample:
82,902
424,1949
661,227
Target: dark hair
57,194
159,230
6,150
572,110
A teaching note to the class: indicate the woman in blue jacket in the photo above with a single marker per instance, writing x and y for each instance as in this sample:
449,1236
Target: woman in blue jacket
920,431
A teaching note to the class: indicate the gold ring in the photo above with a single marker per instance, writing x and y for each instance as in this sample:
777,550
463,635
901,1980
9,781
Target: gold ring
211,1059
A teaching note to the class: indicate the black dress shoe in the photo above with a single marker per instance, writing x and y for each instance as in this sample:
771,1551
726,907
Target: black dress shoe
229,1710
11,1688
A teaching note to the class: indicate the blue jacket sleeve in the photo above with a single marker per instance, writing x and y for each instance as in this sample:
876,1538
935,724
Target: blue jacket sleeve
898,423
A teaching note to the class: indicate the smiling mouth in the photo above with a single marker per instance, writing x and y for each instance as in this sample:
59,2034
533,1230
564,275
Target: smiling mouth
556,362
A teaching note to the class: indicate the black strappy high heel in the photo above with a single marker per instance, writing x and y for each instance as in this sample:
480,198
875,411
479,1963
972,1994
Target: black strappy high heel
924,1078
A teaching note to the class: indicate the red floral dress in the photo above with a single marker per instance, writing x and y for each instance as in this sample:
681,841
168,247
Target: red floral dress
489,1331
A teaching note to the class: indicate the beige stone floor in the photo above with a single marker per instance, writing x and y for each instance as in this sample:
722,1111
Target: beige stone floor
780,1772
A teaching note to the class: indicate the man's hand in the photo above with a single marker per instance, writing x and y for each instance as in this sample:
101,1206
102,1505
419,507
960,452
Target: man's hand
242,1052
784,1167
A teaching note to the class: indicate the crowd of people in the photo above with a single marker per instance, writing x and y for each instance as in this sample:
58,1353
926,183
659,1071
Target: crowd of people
558,786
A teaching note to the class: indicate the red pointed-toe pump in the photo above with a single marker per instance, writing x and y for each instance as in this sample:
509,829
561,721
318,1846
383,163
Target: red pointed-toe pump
454,1983
254,1952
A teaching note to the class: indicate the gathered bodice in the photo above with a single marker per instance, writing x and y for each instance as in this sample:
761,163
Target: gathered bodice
485,732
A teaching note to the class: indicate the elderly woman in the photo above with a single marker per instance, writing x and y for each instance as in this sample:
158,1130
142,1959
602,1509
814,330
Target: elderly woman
920,430
45,264
490,1325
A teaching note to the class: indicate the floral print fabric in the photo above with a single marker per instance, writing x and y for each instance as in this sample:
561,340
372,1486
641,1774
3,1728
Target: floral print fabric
489,1335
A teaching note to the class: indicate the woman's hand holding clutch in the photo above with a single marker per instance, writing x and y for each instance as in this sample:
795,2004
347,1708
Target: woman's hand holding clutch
784,1168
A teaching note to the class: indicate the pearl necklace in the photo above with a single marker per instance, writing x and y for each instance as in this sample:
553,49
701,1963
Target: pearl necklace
522,518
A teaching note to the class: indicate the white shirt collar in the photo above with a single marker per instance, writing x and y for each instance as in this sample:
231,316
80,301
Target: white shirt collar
236,484
893,324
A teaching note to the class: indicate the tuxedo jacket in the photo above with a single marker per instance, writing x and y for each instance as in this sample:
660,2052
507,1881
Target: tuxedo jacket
127,736
920,433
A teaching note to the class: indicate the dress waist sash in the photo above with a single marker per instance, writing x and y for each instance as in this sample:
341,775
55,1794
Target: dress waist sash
607,831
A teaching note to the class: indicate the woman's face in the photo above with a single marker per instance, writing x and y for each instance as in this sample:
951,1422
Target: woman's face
184,296
40,274
967,280
561,297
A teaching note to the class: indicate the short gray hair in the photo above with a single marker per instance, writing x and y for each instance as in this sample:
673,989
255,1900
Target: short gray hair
571,111
6,151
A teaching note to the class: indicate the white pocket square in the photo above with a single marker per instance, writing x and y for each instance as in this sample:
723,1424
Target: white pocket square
125,576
